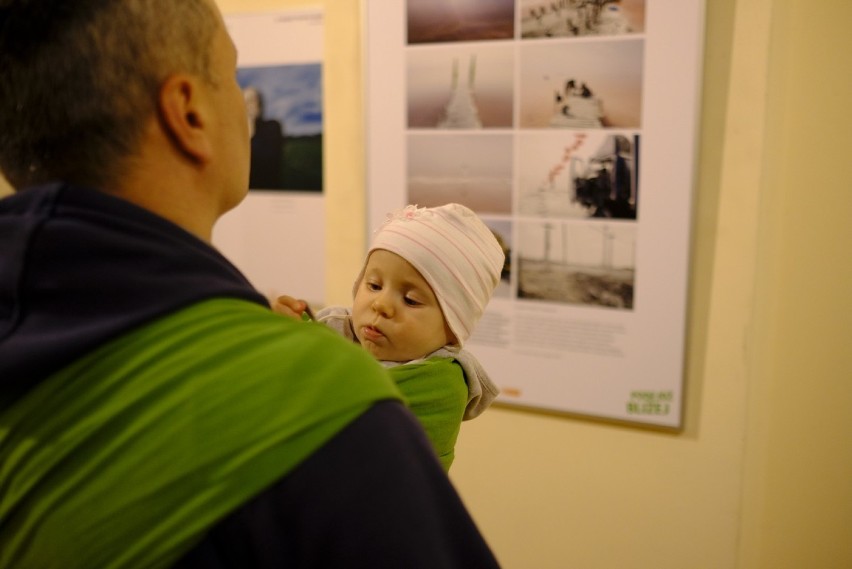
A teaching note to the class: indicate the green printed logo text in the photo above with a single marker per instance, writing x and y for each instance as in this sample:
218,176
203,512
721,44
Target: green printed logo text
650,402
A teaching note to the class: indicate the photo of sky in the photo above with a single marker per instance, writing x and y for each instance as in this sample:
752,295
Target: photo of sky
292,95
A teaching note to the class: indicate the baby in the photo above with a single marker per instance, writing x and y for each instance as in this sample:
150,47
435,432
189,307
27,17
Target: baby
427,278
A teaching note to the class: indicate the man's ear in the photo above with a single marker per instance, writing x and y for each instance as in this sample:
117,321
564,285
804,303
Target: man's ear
182,113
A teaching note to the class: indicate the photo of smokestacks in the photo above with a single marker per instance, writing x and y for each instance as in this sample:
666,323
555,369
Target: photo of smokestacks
452,87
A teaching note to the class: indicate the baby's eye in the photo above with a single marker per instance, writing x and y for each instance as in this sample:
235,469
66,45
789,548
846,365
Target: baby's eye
412,301
373,287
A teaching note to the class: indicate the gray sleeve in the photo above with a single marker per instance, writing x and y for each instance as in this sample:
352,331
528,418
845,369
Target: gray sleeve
338,318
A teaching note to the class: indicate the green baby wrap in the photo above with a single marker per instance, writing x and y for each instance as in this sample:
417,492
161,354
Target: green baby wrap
436,393
126,457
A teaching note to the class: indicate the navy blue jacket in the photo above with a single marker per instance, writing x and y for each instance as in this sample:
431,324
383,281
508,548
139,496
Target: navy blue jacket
79,267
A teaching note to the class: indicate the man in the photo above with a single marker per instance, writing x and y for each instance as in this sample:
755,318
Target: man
153,411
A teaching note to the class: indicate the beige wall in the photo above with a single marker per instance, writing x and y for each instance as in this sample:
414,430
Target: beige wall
760,477
343,134
797,506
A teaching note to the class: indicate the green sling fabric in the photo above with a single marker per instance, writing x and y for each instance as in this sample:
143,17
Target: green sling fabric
214,402
436,393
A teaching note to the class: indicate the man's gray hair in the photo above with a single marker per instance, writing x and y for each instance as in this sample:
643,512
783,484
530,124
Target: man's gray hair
79,80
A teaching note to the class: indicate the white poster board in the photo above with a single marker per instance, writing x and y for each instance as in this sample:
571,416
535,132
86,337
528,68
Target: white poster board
570,127
276,236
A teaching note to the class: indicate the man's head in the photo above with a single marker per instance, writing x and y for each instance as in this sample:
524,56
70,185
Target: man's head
455,254
81,79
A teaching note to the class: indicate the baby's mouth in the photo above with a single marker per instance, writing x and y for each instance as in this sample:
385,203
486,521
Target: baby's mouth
372,333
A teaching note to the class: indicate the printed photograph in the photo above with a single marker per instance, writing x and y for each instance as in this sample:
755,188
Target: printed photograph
284,106
454,87
577,263
471,169
430,21
571,18
578,174
502,230
590,84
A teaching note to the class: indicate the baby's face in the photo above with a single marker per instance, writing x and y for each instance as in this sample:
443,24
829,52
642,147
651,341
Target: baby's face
396,315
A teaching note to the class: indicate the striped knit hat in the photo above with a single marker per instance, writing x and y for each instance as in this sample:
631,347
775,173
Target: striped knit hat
454,251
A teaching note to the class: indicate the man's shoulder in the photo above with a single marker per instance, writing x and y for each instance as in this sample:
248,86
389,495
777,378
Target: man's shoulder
227,336
374,496
277,336
243,316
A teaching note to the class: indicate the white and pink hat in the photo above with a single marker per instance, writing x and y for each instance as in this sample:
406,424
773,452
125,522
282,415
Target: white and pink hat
454,251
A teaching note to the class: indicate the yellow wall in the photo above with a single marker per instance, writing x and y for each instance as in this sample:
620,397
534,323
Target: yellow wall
343,134
760,477
797,507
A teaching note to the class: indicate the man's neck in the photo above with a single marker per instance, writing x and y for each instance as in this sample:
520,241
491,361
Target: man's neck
166,184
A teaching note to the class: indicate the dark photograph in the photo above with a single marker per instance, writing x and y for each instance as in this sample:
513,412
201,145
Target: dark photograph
284,107
577,263
502,230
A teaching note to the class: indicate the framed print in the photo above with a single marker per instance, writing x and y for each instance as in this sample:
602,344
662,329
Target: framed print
570,127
